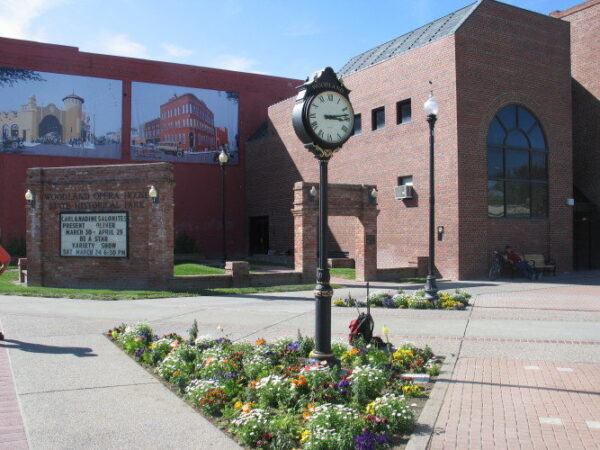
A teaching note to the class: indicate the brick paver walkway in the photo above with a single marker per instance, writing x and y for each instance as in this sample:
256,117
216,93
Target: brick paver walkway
506,404
12,432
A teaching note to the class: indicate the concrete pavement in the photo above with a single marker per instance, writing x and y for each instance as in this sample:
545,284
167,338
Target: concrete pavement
521,371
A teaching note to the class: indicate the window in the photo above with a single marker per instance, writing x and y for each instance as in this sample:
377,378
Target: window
378,118
403,112
407,180
517,156
357,125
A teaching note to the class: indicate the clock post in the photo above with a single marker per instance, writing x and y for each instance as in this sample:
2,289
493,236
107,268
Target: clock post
323,120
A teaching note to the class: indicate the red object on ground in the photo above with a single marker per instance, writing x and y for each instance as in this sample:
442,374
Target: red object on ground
4,260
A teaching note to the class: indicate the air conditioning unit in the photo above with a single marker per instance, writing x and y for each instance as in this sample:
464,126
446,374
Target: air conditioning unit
403,191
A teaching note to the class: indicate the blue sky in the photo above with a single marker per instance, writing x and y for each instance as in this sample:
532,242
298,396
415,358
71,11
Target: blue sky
282,38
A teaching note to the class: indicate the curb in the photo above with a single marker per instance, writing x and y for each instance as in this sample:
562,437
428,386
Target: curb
425,427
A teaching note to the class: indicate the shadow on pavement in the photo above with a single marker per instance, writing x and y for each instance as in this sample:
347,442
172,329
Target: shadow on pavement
48,349
523,386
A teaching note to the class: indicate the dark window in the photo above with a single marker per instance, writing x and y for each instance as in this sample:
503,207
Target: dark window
407,180
517,157
403,112
357,125
378,118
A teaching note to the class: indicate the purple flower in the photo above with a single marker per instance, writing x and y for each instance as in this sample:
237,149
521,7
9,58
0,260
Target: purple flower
140,352
370,441
293,346
388,302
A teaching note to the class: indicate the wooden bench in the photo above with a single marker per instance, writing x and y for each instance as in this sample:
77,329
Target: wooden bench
538,262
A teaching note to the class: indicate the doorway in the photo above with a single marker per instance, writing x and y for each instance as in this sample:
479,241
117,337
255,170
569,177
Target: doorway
259,235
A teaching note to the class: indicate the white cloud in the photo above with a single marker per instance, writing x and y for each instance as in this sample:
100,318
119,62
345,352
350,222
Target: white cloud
118,44
17,17
233,62
175,51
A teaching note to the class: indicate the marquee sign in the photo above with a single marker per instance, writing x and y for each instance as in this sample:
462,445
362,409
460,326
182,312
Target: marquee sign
94,234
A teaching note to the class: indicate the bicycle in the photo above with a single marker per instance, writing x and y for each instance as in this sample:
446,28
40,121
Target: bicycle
497,265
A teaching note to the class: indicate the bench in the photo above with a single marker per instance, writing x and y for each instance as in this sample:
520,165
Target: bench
539,263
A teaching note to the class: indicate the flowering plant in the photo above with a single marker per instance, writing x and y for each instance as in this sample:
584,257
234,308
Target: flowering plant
272,398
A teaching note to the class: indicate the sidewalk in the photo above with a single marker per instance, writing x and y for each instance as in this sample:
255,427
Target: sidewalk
522,366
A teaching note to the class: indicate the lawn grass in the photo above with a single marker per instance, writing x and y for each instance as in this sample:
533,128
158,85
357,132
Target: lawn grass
8,286
412,280
196,269
347,273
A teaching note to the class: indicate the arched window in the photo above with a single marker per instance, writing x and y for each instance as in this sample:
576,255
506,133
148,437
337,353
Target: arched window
517,165
14,130
4,131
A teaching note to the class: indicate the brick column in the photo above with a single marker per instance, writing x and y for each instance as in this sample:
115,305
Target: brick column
34,234
366,239
306,218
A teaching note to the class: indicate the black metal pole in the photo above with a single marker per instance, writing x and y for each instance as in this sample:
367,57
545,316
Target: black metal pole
223,213
323,291
431,290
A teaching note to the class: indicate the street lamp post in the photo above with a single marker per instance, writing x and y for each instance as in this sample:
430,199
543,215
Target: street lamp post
223,160
431,108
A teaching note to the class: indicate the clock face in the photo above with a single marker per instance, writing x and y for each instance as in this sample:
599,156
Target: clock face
330,117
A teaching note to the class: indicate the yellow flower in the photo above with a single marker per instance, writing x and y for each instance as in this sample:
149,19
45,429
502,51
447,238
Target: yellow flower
219,327
411,389
385,330
305,436
177,372
370,408
238,404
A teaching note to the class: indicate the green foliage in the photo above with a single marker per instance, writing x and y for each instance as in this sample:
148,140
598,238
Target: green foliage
270,397
194,331
196,269
9,287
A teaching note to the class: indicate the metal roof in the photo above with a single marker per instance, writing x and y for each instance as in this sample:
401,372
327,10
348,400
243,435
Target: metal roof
433,31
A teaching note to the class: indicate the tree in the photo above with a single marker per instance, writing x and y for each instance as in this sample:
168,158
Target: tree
10,76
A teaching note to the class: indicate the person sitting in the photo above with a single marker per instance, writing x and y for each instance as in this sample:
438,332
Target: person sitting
514,258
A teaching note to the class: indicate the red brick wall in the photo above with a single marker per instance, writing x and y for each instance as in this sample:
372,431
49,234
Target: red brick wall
115,188
509,55
374,157
585,69
198,191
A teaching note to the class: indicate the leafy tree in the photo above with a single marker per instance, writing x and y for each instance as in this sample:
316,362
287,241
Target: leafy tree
10,76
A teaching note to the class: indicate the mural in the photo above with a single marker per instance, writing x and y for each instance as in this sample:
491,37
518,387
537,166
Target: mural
182,124
60,115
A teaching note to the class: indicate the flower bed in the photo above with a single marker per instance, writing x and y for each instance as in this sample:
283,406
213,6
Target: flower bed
267,396
458,300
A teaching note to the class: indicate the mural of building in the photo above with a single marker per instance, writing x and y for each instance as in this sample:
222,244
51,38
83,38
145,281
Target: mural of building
187,120
35,123
222,136
151,131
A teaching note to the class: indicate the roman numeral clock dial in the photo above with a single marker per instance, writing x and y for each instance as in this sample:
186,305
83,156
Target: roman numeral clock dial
331,117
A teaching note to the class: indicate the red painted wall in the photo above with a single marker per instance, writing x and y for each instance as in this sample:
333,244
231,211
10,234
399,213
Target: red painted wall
198,186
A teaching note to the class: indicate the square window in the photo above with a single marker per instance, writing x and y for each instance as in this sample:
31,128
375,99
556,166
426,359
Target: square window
407,180
403,112
357,125
378,118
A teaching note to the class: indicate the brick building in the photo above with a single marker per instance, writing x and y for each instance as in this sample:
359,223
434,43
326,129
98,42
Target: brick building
199,216
503,160
585,70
